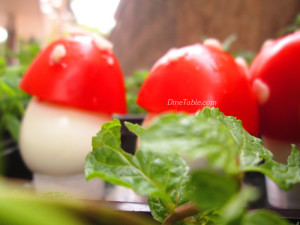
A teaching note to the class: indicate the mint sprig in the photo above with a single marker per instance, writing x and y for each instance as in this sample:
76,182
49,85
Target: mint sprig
210,189
220,139
285,176
147,173
205,135
210,195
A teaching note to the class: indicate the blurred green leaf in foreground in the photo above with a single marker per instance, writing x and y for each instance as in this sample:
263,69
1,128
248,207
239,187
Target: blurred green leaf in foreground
20,207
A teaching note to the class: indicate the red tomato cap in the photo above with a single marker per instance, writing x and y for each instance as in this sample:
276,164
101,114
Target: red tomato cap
276,71
78,71
193,77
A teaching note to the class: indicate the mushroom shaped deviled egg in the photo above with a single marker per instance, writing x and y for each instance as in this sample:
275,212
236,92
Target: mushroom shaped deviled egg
190,78
77,85
275,78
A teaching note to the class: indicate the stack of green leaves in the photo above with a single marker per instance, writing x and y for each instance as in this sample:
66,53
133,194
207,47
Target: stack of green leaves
210,194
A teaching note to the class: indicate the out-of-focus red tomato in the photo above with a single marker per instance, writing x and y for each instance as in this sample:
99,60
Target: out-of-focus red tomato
275,76
77,71
190,78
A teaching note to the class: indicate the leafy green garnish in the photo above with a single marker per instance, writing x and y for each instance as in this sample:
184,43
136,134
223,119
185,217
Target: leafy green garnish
235,208
160,210
12,124
18,207
210,189
204,135
211,195
133,84
248,55
147,173
291,27
221,139
13,100
263,217
285,176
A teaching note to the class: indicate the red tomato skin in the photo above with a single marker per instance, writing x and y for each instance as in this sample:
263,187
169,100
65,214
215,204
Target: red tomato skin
204,74
278,66
87,78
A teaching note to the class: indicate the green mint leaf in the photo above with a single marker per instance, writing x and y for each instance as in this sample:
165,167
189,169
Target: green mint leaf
285,176
234,210
147,173
13,102
210,189
160,210
2,65
253,152
19,207
207,217
206,134
157,171
220,139
12,124
133,84
6,89
263,217
32,209
135,128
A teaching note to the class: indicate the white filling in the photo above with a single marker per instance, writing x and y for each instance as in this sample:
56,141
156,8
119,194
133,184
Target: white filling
54,140
102,43
214,43
58,53
261,91
172,55
267,43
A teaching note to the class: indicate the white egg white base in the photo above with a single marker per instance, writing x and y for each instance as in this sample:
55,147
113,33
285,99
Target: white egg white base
282,199
54,142
277,197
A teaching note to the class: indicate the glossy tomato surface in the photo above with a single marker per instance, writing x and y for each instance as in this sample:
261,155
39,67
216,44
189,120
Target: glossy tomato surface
192,77
84,76
278,66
